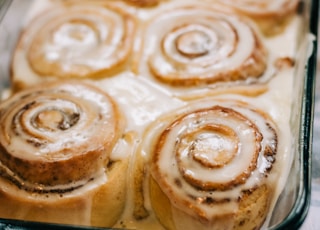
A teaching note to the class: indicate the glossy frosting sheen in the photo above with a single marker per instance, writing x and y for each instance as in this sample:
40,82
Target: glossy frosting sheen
213,153
203,102
46,131
50,121
213,47
75,42
264,6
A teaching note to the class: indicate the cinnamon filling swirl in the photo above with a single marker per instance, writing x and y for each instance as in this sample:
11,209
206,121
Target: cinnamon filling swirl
271,16
74,41
198,46
58,137
206,159
264,7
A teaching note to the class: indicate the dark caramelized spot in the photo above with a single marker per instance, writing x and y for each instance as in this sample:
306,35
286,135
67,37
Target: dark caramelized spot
110,164
74,118
100,116
28,106
247,192
71,121
35,143
242,222
209,200
270,150
178,182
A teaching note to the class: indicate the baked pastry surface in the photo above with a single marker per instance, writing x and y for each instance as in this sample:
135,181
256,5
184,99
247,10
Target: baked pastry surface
60,153
169,78
73,41
271,16
209,165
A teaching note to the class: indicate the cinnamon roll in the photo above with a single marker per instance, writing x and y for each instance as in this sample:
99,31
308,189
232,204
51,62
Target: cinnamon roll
210,166
196,47
271,16
63,155
79,40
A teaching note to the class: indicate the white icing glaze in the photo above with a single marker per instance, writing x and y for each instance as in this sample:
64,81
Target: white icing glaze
168,162
89,41
144,101
262,6
65,100
218,57
229,43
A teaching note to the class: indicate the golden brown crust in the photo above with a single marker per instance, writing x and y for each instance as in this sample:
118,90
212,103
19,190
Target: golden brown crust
271,16
198,49
200,46
61,43
182,144
251,214
38,190
109,201
186,175
140,174
61,168
253,207
46,121
161,204
97,206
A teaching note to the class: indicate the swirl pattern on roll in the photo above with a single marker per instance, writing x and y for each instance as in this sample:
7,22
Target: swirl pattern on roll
194,45
57,137
75,41
270,15
263,7
209,155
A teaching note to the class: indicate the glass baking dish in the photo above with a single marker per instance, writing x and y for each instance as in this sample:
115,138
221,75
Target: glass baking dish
292,205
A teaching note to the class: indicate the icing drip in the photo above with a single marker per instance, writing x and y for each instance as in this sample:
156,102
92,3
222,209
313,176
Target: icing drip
45,136
211,153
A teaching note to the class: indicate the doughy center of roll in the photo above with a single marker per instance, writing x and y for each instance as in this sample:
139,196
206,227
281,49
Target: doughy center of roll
193,44
76,34
53,120
202,43
212,146
58,135
49,119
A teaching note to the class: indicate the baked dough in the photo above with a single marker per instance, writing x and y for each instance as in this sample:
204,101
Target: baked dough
64,155
272,16
210,165
73,40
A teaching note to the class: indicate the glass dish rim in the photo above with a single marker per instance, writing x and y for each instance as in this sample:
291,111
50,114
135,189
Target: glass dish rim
300,209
